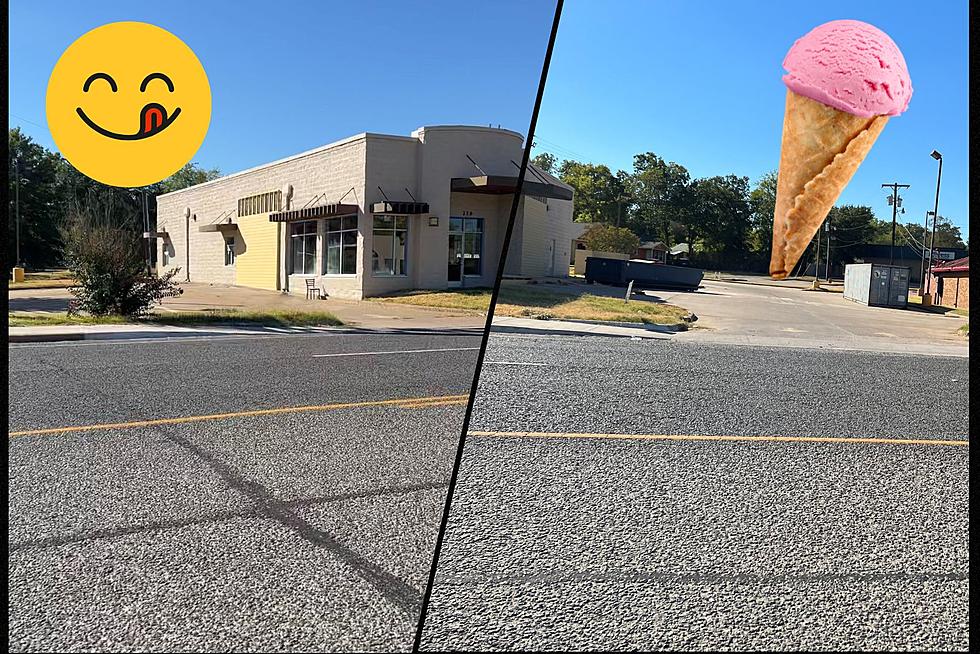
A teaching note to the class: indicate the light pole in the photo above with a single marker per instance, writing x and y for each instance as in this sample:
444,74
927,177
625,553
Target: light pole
922,267
17,205
935,215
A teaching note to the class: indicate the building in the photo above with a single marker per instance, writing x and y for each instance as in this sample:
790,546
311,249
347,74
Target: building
905,255
949,284
369,215
652,251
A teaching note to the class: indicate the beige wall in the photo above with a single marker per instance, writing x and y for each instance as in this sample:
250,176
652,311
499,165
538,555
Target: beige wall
332,169
420,166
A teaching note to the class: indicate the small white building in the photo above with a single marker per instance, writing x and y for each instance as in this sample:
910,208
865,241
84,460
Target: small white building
371,214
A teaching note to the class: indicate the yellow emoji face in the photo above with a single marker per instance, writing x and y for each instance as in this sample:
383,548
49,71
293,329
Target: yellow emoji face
128,104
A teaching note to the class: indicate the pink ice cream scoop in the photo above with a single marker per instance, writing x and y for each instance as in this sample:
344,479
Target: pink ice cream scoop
851,66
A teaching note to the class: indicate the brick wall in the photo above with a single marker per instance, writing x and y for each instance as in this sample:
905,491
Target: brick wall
956,290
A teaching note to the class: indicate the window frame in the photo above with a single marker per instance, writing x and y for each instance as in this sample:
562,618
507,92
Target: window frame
302,237
392,233
348,228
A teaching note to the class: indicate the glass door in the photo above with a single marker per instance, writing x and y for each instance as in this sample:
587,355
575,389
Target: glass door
455,259
465,249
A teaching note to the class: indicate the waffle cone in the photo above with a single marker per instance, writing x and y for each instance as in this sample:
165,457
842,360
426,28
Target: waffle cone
821,150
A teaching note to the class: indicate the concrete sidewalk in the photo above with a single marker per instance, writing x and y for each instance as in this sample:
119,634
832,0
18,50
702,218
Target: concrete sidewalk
363,315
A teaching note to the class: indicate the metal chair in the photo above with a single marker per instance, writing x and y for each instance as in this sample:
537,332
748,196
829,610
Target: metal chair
311,289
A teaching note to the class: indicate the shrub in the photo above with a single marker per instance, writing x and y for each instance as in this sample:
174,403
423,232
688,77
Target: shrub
604,238
105,252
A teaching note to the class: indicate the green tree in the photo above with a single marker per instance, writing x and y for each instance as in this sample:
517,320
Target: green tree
546,162
724,215
661,197
36,171
598,192
606,238
190,175
762,203
851,227
948,235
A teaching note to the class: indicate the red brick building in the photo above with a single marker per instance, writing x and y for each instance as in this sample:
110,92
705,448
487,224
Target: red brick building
949,284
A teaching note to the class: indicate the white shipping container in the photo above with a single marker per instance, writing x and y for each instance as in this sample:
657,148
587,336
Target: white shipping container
877,285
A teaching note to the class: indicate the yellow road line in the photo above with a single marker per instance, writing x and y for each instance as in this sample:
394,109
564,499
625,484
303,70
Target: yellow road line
697,437
406,403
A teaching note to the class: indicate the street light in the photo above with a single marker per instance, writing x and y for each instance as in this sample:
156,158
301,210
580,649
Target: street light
935,215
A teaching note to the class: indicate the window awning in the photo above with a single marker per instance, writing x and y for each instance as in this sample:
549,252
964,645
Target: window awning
401,208
502,184
217,227
311,213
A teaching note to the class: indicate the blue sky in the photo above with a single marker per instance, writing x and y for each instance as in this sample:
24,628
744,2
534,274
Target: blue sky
700,83
287,76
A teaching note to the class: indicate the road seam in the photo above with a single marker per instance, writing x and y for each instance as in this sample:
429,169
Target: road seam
707,437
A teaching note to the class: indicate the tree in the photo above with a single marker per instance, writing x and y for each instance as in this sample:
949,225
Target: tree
190,175
660,193
598,192
606,238
724,214
104,251
851,227
948,235
762,204
36,171
546,162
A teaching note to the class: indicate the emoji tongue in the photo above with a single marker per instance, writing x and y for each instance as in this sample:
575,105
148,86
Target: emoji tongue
152,118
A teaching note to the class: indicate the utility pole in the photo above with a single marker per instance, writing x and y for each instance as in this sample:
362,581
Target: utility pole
816,263
894,200
17,205
935,214
826,227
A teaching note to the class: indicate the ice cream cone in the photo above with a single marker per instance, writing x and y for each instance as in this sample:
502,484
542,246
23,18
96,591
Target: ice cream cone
822,148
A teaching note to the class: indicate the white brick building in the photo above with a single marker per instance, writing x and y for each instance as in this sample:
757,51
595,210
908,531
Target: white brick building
369,215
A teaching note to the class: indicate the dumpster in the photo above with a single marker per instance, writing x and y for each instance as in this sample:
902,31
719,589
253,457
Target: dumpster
649,274
877,285
605,271
643,274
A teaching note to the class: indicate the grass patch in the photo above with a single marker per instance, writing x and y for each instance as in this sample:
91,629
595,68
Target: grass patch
964,330
44,279
189,318
283,318
19,319
526,301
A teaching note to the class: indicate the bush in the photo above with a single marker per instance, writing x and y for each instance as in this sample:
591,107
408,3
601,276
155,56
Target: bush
604,238
106,255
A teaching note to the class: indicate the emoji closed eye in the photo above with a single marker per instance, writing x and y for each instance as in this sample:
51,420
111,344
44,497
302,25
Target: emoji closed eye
153,76
153,117
95,76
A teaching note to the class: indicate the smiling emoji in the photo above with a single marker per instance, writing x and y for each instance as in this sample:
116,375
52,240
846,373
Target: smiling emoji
128,104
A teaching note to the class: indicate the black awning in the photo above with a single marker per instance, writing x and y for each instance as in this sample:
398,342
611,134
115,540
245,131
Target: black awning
312,213
502,184
402,208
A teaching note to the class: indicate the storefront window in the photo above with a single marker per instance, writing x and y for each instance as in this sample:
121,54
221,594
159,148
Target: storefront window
302,240
389,255
341,246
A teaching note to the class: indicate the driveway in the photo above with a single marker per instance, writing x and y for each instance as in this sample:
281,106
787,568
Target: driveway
730,312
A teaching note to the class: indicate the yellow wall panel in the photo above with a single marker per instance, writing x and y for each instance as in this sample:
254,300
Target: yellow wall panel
257,258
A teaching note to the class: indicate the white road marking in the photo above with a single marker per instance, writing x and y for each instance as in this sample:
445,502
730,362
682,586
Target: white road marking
512,363
364,354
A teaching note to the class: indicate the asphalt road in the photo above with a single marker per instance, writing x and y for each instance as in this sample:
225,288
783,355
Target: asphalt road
560,542
300,530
